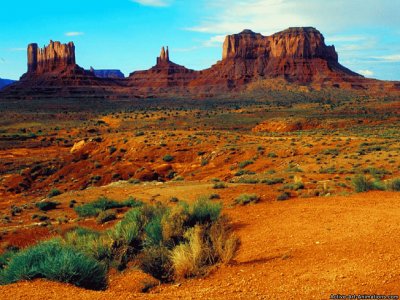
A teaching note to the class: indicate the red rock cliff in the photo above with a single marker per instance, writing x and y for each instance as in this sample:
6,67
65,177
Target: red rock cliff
296,54
55,56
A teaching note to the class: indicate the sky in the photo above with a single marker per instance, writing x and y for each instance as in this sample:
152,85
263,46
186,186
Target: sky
128,34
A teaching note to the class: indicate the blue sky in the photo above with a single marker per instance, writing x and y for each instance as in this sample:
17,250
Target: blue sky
128,34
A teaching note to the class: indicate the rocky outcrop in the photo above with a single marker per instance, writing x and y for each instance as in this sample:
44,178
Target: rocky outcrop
115,74
165,77
296,54
55,56
53,73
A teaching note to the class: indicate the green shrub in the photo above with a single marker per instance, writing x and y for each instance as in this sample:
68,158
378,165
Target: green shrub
284,196
168,158
47,205
53,193
204,211
272,155
245,163
272,181
241,172
57,262
93,209
294,186
214,196
6,256
394,185
244,199
219,185
248,180
362,184
156,262
106,216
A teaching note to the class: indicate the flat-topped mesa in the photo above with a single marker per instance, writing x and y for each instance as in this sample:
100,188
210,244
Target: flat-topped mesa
297,54
55,56
295,42
164,56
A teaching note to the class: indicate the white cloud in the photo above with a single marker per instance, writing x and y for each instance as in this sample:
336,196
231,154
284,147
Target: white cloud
214,41
366,73
157,3
74,33
269,16
388,58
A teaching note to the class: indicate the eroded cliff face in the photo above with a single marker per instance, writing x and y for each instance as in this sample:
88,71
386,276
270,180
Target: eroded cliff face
297,42
55,56
297,54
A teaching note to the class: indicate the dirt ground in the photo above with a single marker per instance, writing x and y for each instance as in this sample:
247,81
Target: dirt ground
297,249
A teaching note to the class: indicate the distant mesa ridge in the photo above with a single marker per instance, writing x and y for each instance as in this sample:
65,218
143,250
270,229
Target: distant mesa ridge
116,74
5,82
297,55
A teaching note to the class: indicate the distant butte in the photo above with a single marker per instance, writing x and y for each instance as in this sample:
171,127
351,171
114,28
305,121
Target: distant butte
297,55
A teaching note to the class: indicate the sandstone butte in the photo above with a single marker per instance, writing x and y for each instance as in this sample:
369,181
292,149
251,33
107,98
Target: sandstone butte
297,55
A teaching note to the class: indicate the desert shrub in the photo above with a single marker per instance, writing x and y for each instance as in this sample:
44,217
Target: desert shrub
153,231
334,152
204,245
283,196
223,241
245,163
248,180
6,256
106,216
111,150
57,262
376,173
168,158
272,181
219,185
241,172
92,209
188,259
362,184
91,243
394,185
294,186
148,234
53,193
204,211
156,262
214,196
47,205
204,162
244,199
173,223
272,155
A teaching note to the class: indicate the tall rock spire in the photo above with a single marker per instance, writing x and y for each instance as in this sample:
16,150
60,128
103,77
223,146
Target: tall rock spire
164,56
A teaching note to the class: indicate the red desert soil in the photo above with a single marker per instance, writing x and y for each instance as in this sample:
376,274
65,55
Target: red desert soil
297,249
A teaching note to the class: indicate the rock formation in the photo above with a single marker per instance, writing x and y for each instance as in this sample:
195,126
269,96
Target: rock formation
296,55
53,72
165,77
55,56
164,56
115,74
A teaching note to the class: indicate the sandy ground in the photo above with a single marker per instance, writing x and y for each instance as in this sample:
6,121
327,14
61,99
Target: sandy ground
297,249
